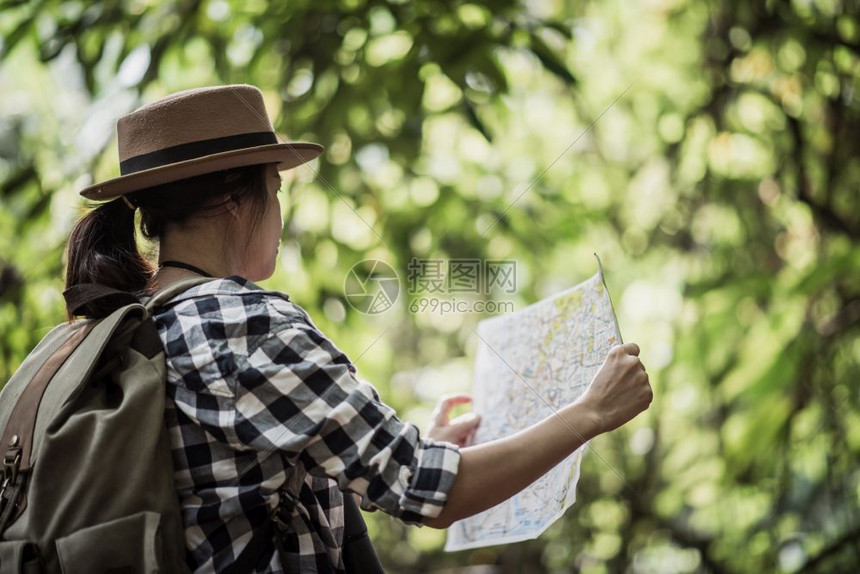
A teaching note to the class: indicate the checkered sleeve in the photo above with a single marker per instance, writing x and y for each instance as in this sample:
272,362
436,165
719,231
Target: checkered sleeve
298,394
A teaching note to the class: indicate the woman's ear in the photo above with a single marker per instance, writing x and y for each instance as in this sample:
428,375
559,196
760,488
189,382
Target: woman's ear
233,206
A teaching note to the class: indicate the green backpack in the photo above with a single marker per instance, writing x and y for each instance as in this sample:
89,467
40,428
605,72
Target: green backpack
87,482
87,405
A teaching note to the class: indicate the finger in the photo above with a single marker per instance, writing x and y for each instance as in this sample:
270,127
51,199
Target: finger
455,399
466,421
630,349
440,417
445,404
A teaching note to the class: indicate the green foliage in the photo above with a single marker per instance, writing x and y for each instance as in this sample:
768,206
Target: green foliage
719,182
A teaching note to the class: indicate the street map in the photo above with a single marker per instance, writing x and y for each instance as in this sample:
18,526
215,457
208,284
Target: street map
530,364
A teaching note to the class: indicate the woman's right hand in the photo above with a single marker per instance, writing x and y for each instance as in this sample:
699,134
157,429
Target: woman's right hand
620,390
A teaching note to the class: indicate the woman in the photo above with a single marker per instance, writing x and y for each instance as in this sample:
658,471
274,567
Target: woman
266,415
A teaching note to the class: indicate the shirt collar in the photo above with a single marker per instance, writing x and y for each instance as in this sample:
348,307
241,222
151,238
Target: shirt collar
232,285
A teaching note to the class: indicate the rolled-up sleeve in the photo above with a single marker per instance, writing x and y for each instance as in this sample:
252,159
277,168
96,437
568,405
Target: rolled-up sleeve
299,395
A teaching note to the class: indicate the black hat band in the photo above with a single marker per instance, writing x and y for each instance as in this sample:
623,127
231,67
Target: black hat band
193,150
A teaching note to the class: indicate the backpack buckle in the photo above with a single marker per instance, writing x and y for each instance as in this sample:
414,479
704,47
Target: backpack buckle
11,464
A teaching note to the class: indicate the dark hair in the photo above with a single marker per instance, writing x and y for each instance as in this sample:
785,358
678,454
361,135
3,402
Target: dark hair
102,247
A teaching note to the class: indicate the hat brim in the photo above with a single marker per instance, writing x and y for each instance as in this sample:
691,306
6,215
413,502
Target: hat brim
285,155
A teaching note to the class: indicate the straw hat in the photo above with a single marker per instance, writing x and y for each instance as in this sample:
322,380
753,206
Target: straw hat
196,132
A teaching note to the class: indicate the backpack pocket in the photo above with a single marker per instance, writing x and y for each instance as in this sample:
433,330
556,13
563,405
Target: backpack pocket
20,557
128,545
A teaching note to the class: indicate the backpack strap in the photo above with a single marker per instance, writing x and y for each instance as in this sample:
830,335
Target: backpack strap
162,296
107,299
20,428
358,552
18,435
97,297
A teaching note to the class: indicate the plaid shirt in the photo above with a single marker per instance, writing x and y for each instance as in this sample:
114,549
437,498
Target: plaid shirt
263,410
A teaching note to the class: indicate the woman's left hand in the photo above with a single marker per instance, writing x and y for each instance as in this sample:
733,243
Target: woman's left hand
459,431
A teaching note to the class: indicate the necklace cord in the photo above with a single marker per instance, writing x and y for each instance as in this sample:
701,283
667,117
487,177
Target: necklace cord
186,266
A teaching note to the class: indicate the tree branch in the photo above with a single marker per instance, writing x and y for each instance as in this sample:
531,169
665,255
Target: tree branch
823,213
850,537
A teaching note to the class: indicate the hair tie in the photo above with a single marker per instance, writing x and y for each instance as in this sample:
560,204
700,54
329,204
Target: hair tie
129,203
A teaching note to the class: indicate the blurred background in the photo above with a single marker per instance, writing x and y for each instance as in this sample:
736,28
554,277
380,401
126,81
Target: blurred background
708,151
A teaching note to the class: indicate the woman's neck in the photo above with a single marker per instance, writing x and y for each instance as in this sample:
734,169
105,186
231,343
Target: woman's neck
202,247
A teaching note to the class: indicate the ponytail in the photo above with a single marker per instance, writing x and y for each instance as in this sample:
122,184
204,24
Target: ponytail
102,249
